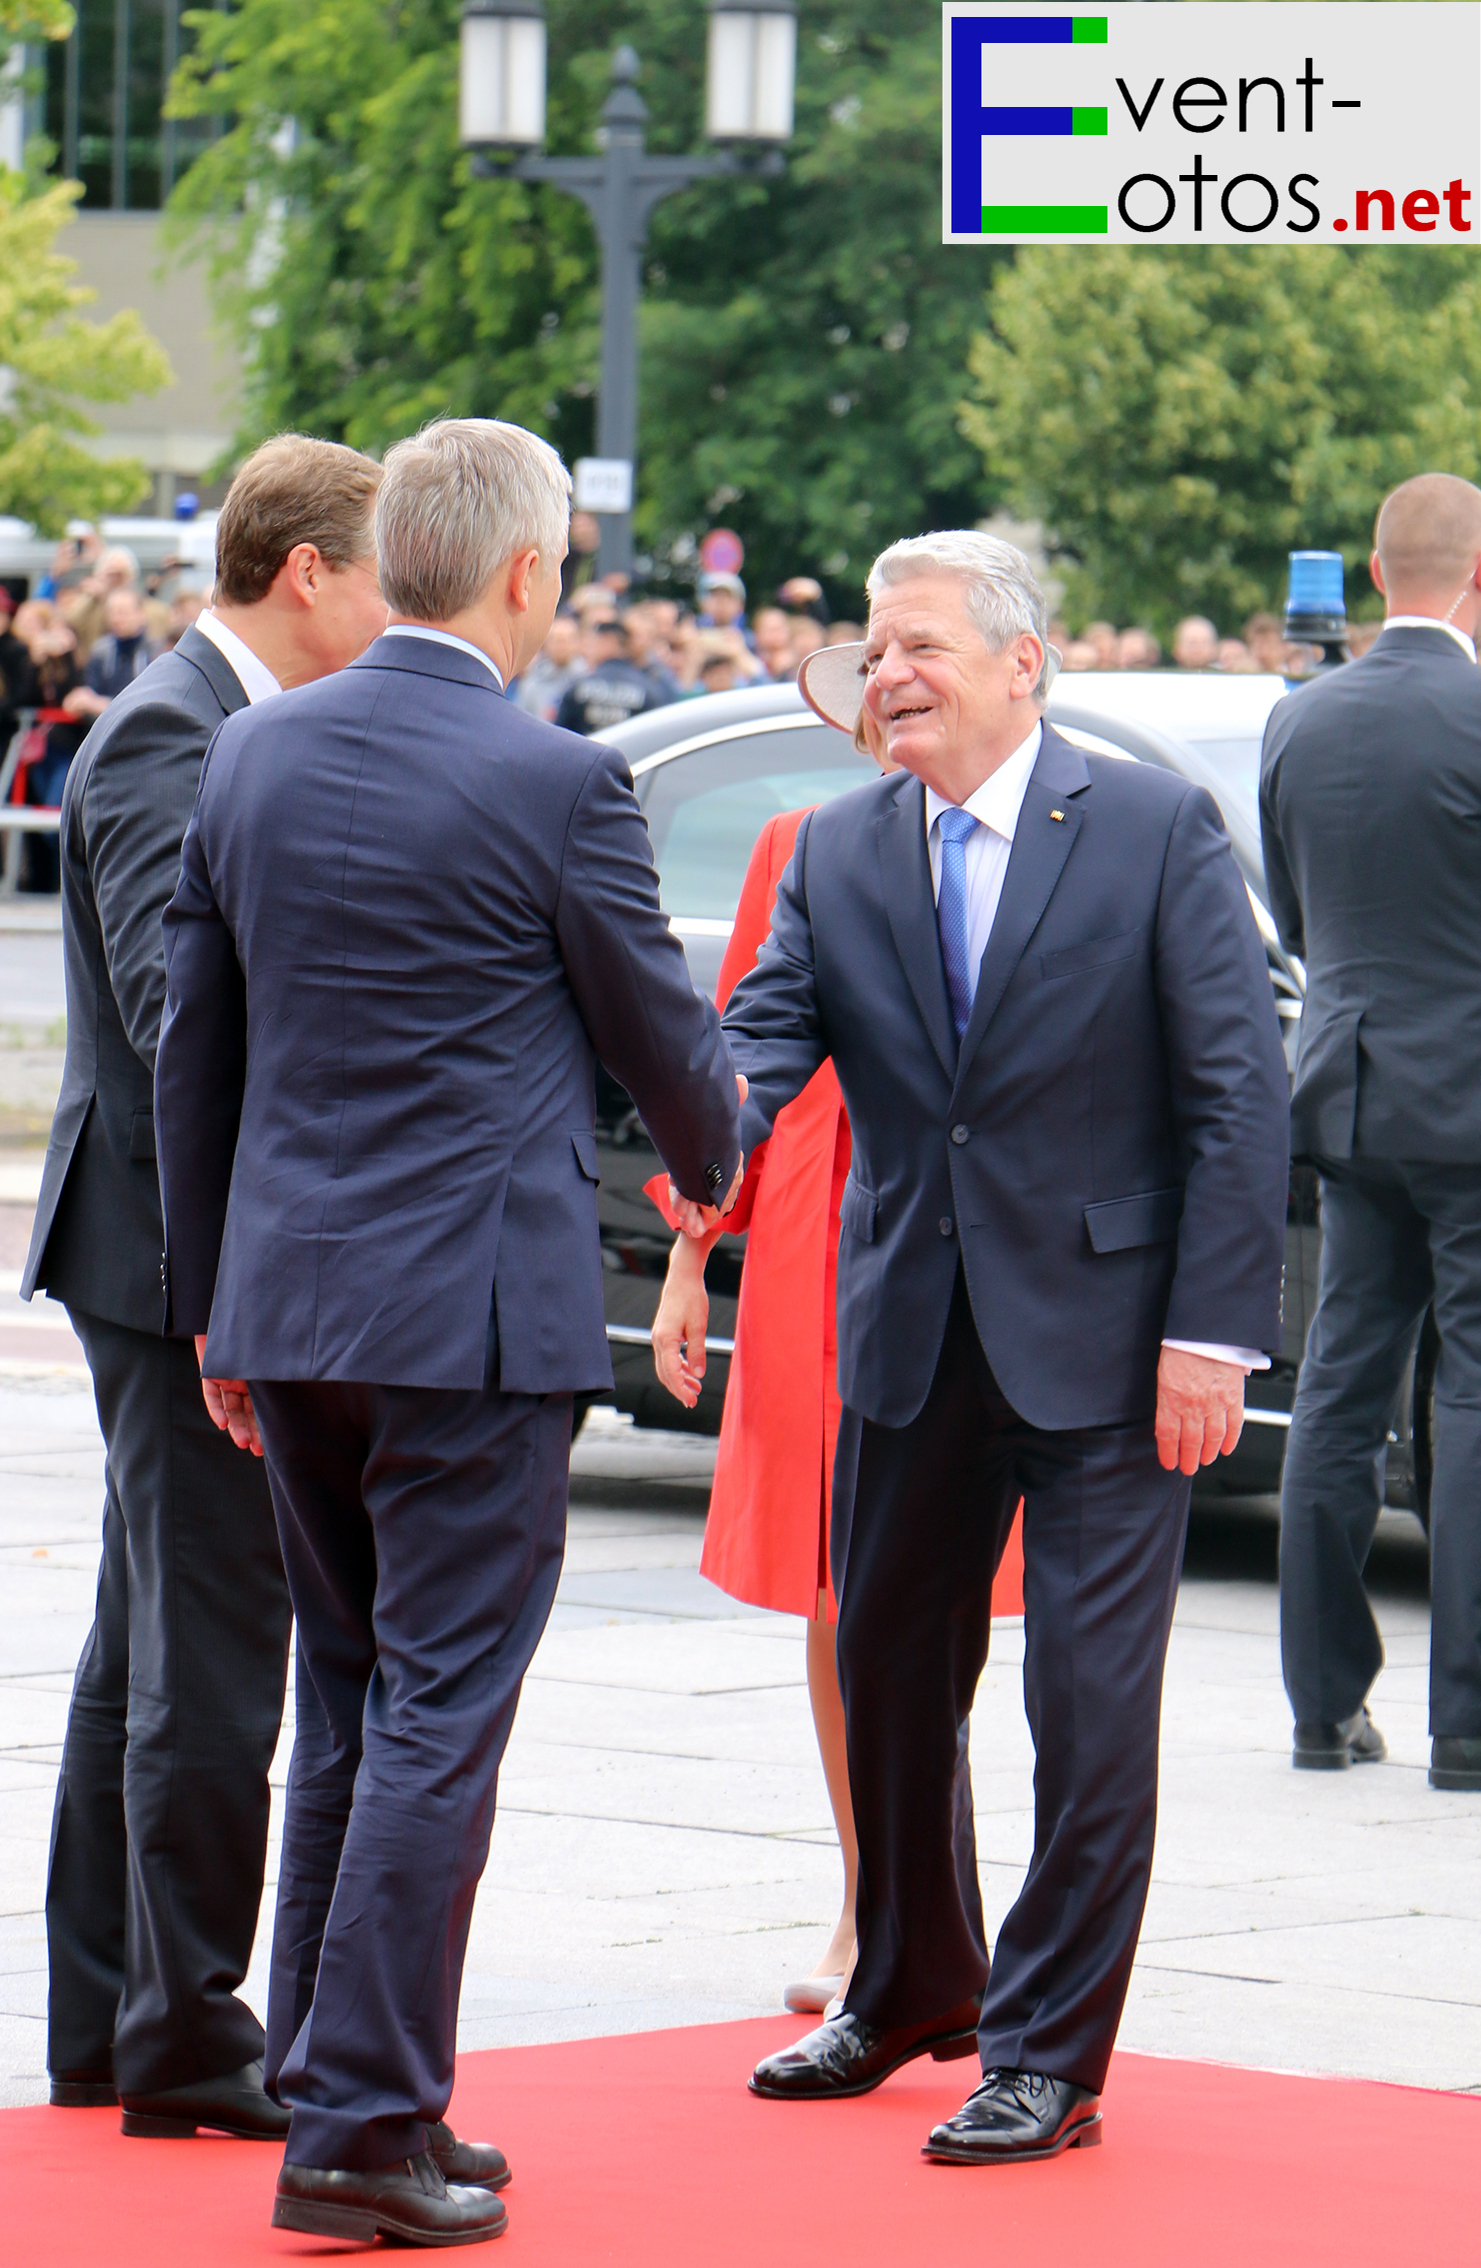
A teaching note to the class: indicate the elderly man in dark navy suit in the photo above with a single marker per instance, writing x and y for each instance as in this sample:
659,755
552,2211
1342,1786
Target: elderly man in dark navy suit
1039,980
409,919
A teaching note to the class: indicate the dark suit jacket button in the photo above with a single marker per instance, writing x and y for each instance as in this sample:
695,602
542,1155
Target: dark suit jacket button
714,1175
961,1134
944,1224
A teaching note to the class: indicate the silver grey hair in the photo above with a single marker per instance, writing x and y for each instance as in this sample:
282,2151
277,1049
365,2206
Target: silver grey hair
1003,597
459,499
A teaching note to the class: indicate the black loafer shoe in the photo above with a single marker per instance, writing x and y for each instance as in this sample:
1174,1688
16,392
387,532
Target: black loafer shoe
848,2056
1017,2115
473,2165
1331,1748
83,2090
409,2202
1455,1762
234,2104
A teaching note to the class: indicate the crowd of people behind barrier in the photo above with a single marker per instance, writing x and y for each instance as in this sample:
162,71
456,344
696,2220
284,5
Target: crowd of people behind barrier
94,621
611,655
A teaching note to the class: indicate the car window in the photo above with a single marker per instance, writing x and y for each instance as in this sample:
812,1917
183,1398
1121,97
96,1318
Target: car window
705,809
1237,763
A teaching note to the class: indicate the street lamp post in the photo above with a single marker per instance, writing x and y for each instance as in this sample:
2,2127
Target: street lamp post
752,53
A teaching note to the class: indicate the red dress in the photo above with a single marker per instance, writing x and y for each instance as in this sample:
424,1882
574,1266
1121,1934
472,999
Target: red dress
766,1539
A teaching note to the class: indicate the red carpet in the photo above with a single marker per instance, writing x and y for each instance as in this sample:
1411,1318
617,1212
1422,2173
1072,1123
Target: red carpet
646,2152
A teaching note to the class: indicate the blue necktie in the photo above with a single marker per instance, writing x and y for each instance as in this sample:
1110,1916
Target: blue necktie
957,827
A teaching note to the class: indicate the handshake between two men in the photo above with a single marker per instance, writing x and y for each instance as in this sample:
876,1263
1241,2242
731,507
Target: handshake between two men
1200,1400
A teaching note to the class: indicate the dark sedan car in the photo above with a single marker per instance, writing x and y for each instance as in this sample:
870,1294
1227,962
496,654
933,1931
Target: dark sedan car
709,773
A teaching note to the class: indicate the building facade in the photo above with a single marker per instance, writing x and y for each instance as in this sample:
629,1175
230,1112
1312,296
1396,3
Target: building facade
100,106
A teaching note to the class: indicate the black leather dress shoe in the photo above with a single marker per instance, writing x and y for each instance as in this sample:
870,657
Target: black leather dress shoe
408,2202
473,2165
234,2104
1017,2115
1455,1762
1331,1748
848,2056
83,2090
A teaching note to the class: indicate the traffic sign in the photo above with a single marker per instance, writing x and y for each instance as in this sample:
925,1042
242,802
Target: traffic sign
722,552
602,484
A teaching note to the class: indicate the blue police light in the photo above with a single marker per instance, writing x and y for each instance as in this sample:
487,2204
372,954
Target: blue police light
1316,584
186,506
1316,610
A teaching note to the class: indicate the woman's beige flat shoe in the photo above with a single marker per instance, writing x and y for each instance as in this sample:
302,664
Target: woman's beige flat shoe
811,1996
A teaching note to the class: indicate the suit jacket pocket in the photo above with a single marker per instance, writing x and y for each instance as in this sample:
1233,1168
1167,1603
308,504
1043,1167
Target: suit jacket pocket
1094,953
1123,1222
585,1147
859,1210
141,1134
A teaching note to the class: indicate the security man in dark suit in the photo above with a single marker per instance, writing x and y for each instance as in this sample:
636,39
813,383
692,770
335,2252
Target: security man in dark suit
1370,808
160,1830
1039,980
410,918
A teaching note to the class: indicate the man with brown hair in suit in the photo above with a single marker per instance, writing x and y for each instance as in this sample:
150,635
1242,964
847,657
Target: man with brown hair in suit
160,1830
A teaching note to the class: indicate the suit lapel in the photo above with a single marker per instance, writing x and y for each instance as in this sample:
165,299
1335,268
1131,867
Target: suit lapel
196,648
1041,845
905,877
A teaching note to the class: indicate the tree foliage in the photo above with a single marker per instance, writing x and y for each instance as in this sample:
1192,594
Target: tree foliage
34,19
53,363
803,338
1181,418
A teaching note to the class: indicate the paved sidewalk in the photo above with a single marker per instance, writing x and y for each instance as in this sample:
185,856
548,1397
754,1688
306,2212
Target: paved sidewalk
663,1853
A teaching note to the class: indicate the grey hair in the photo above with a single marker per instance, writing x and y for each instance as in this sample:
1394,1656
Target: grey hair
1003,598
459,499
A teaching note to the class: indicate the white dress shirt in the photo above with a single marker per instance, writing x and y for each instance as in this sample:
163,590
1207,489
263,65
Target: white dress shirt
996,805
445,638
255,678
1432,622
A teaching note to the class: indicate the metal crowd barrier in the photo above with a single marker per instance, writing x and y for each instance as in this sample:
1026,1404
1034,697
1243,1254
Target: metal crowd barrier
18,819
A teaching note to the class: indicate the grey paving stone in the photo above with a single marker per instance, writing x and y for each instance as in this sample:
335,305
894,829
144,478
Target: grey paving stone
664,1853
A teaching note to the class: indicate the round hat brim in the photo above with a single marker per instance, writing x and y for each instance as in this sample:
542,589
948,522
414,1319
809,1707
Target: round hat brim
831,682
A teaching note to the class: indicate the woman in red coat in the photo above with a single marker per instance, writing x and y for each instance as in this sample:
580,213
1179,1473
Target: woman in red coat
766,1539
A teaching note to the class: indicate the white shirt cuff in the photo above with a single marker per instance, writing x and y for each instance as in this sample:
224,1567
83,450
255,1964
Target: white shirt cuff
1248,1358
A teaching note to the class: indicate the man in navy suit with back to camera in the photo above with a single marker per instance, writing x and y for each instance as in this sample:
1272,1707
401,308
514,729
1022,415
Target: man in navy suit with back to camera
1039,980
1370,812
410,918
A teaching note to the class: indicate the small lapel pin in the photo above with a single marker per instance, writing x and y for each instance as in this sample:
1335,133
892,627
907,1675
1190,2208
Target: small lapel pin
1056,814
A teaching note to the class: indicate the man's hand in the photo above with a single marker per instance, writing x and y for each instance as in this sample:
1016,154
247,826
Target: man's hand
680,1324
230,1405
1200,1409
702,1220
82,701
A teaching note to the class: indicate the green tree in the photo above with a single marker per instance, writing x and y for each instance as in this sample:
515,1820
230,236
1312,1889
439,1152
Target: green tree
1180,418
803,338
34,19
51,360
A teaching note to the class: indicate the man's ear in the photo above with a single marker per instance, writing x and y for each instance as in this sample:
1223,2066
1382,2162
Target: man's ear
302,574
522,571
1028,670
1377,574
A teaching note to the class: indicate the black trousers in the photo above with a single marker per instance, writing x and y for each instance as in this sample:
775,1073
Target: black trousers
422,1532
160,1829
921,1516
1394,1236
